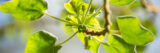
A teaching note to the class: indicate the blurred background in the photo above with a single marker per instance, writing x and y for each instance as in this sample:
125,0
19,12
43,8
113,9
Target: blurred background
14,32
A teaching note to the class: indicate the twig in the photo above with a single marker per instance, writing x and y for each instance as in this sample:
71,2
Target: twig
149,7
107,21
86,42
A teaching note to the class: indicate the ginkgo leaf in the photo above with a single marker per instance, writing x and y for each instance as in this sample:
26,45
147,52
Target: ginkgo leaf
76,6
121,2
24,9
117,45
41,42
133,32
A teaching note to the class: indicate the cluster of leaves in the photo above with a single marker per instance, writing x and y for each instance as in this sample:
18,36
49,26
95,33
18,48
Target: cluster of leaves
130,35
79,17
132,32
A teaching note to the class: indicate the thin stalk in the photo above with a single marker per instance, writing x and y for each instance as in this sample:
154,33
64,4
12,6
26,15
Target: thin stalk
135,50
59,19
78,18
67,39
104,43
87,10
95,14
86,42
89,7
55,17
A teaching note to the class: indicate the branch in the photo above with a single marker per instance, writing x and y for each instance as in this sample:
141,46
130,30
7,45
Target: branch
107,21
149,7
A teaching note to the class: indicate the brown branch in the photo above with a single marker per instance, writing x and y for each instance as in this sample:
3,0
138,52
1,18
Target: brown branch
144,4
149,6
107,15
107,21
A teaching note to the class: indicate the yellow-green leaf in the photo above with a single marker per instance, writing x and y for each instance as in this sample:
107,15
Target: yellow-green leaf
76,6
118,45
133,32
121,2
41,42
93,43
24,9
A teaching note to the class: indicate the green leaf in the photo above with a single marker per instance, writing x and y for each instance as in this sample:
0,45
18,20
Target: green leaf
136,4
92,43
141,49
38,5
121,2
76,6
149,25
118,45
24,9
67,29
56,49
133,32
41,42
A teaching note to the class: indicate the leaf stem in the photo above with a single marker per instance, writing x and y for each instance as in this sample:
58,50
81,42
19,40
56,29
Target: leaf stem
56,17
59,19
104,43
95,14
86,42
87,11
89,7
78,18
67,39
135,48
